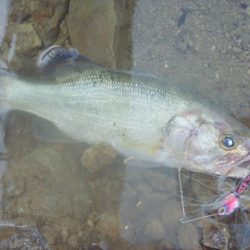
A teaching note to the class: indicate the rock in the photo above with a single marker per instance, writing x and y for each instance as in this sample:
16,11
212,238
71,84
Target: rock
152,204
98,157
102,245
188,237
143,187
64,233
46,171
171,215
127,192
166,245
27,39
32,26
21,237
215,236
108,225
155,230
93,25
45,16
160,181
63,37
15,186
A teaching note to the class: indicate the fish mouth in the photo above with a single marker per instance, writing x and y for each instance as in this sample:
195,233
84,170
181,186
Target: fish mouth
245,162
242,168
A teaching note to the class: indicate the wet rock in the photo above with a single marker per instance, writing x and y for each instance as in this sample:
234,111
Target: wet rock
160,181
188,237
46,171
155,230
215,236
98,157
102,245
64,233
45,16
135,209
143,187
93,25
63,37
32,26
21,237
171,215
14,186
166,245
108,224
127,192
27,39
133,175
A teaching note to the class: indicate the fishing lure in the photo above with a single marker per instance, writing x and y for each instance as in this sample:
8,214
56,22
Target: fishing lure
223,205
231,202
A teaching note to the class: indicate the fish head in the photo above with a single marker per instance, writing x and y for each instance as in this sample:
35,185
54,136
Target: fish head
209,142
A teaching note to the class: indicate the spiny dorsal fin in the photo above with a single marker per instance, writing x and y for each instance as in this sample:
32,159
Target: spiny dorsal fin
56,54
57,60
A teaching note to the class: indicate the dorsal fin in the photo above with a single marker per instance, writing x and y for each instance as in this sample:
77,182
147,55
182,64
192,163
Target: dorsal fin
57,59
56,54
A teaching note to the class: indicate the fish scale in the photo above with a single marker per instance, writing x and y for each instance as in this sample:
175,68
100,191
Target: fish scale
94,106
143,117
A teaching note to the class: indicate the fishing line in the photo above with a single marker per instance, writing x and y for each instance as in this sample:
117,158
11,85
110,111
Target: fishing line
181,191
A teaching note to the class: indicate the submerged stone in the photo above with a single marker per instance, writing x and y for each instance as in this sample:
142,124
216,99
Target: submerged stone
21,237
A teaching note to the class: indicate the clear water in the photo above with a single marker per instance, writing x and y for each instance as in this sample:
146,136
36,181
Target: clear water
60,203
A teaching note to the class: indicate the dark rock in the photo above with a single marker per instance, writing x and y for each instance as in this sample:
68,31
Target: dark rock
215,236
14,237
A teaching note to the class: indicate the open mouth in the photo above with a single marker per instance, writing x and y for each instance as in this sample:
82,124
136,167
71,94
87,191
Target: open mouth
245,162
241,168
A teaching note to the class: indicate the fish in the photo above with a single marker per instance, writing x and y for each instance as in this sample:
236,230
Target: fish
147,119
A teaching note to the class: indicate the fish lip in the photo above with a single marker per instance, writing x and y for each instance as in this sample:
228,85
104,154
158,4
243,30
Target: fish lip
244,161
239,169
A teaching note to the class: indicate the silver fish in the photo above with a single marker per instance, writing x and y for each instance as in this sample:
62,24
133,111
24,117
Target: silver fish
143,117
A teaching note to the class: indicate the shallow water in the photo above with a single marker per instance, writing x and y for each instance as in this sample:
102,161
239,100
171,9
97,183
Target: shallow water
74,196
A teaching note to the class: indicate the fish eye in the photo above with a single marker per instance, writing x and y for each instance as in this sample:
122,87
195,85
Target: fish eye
222,211
228,142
